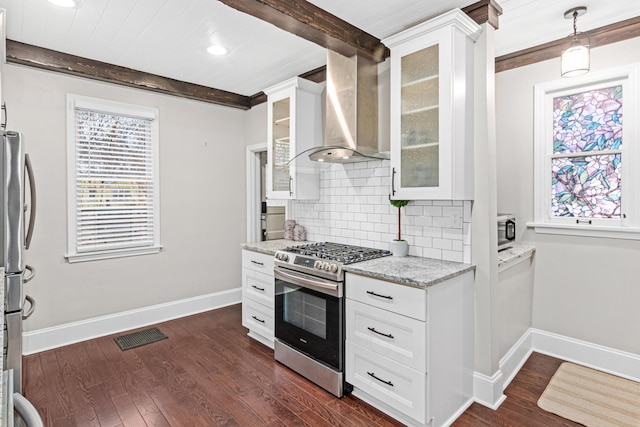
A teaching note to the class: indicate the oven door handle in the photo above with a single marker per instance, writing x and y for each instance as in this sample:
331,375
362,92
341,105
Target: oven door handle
315,283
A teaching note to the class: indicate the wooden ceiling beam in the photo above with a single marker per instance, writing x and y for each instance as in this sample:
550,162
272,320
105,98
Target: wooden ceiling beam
484,11
51,60
306,20
613,33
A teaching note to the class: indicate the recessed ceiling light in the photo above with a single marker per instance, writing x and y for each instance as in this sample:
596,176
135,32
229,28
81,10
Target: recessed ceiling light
216,49
64,3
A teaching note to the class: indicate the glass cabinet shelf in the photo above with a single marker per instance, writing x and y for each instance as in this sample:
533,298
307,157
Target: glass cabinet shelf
282,122
419,81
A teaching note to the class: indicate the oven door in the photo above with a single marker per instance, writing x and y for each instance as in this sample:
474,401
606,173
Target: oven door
309,315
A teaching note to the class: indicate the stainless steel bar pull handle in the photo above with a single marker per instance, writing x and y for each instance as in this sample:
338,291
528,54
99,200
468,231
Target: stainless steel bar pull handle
380,296
258,288
32,190
27,279
371,374
27,411
259,320
32,301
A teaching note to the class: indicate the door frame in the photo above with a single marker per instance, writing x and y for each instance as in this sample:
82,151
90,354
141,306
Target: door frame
253,191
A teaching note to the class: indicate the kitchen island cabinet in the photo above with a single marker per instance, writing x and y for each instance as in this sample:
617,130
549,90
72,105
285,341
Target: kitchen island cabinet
432,110
294,126
410,341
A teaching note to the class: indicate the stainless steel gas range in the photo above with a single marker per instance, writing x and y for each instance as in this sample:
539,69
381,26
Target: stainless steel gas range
309,310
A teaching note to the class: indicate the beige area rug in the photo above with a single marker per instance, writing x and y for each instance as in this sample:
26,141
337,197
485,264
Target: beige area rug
591,397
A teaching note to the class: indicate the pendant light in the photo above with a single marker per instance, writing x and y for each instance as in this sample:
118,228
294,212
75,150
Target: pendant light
575,59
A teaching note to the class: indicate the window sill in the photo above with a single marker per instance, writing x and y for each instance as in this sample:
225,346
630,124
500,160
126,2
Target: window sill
586,230
119,253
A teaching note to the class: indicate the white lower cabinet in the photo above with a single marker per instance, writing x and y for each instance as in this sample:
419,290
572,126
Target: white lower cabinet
409,351
395,384
258,296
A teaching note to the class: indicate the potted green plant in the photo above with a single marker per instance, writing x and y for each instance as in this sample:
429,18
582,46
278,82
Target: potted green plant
399,246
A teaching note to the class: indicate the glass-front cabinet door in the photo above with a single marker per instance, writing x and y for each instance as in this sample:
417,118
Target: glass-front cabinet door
281,146
431,109
294,126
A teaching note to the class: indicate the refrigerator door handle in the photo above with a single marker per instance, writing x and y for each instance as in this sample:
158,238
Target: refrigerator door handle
32,301
30,277
32,190
27,411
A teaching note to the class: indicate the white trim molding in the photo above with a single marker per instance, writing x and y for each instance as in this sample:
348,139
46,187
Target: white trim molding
70,333
606,359
488,390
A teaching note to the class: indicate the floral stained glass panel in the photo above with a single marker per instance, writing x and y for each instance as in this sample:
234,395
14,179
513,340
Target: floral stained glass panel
587,185
588,121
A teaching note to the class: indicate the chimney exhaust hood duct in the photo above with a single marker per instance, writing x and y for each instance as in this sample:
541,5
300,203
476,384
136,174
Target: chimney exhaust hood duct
351,122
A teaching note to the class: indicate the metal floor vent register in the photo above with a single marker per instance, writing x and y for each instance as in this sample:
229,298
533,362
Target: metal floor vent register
137,339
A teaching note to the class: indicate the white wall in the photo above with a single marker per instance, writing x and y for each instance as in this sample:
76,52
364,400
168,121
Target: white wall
202,191
585,288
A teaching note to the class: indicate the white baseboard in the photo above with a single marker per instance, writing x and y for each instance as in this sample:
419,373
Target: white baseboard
70,333
488,390
606,359
511,362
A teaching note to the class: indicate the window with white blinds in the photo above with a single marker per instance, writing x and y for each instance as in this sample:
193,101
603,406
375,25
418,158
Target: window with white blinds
113,176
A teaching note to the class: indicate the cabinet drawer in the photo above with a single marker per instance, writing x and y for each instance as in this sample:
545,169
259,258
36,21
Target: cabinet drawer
397,337
257,261
397,298
399,386
258,287
258,318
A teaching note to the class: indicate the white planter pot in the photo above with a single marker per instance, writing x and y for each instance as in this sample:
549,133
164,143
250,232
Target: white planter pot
399,248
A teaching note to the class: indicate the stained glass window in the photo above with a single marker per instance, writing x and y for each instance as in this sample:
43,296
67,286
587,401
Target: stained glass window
586,163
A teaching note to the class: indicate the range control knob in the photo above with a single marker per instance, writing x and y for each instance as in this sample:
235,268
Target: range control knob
317,265
326,266
285,257
333,268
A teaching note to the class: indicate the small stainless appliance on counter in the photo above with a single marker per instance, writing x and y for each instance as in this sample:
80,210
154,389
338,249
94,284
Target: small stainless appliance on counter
506,231
309,310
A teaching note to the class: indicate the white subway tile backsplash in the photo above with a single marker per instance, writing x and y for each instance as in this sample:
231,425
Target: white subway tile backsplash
354,209
413,210
442,244
452,256
432,211
442,221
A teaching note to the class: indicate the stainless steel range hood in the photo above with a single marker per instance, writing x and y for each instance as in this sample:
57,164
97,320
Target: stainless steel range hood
351,122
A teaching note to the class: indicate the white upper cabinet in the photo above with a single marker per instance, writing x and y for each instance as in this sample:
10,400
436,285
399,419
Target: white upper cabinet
294,126
432,109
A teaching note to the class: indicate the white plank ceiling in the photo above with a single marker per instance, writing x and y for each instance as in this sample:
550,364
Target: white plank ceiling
170,37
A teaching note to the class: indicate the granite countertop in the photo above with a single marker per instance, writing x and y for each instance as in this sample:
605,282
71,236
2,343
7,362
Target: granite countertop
513,255
271,246
413,271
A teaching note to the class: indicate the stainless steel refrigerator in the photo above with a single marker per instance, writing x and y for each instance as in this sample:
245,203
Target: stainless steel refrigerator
18,216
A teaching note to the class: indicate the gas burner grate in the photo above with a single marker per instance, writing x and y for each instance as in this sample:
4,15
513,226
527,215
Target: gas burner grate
345,254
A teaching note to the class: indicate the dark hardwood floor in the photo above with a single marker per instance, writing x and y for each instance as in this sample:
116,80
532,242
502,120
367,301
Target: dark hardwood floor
209,373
